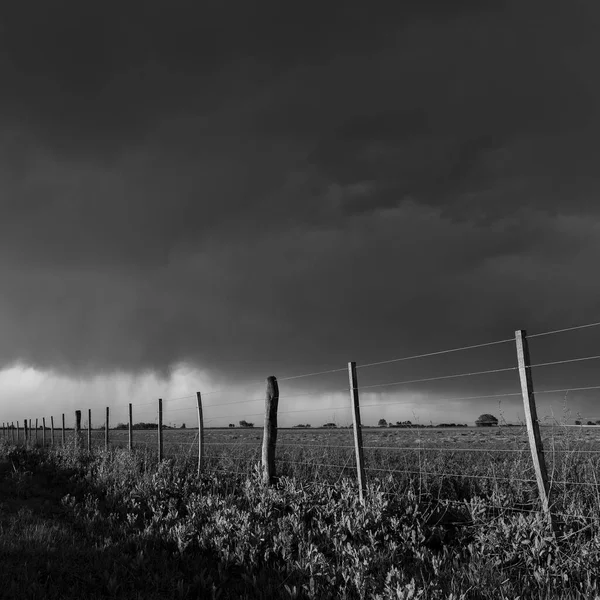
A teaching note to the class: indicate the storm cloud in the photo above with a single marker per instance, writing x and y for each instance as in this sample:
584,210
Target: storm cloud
250,191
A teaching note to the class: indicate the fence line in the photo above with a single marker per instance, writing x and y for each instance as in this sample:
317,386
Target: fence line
270,458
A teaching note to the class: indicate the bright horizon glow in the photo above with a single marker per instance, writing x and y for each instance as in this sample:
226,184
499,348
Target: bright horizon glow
26,392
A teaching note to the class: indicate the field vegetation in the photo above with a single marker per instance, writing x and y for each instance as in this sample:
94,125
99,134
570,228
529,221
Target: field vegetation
449,513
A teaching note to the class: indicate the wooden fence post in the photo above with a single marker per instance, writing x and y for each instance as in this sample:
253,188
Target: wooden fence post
36,432
52,431
106,428
30,430
89,430
358,442
18,433
200,433
63,430
130,427
26,433
77,428
270,432
531,418
160,431
13,431
44,432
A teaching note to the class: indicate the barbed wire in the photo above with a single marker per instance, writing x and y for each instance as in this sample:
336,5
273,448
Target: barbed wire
446,449
313,374
534,335
454,376
444,474
562,362
404,358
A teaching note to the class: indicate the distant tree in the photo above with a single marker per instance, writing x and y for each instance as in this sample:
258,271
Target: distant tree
382,423
119,426
231,425
330,425
577,422
182,426
246,424
590,423
486,420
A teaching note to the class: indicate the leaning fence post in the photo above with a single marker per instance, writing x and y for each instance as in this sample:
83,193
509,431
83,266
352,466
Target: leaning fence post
77,428
130,427
358,442
200,433
160,431
531,418
270,433
89,431
106,427
52,431
63,430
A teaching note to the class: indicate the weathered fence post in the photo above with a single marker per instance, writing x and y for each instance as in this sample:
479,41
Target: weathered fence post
52,431
44,432
130,427
26,434
531,418
36,432
63,430
77,428
89,430
12,429
106,428
270,432
200,433
160,430
18,433
358,442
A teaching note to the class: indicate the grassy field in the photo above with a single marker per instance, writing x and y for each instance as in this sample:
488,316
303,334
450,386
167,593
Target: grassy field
438,521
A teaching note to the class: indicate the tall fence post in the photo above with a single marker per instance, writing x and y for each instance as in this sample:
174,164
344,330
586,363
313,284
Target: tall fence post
130,427
531,418
106,428
18,433
26,434
63,430
52,431
270,432
44,432
89,430
77,428
36,432
200,433
30,428
160,431
358,442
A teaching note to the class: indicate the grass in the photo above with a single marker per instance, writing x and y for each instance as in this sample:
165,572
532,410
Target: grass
117,525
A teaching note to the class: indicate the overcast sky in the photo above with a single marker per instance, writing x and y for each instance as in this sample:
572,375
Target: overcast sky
199,195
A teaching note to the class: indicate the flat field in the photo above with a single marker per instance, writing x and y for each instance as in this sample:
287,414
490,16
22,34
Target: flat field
450,463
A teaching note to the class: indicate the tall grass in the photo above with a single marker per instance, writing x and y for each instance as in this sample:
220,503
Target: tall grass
117,524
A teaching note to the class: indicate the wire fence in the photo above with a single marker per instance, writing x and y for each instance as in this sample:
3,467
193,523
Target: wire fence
453,463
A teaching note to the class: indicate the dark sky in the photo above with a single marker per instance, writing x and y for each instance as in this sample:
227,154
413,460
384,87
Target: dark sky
257,188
